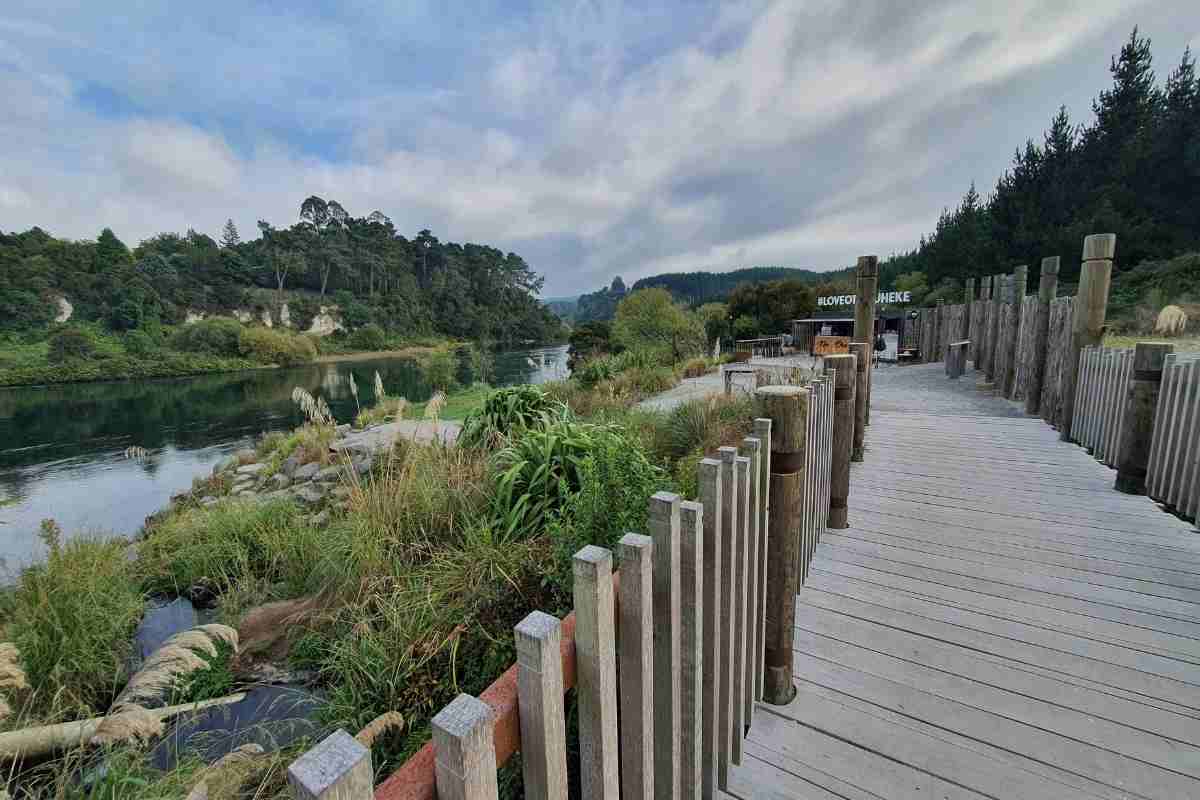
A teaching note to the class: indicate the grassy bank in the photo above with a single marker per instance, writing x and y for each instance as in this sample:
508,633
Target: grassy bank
407,595
78,353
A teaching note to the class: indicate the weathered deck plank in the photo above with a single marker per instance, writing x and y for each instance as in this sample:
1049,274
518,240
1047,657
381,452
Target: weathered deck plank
995,622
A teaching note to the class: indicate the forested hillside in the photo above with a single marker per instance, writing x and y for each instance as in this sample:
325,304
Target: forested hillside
694,288
1133,170
416,286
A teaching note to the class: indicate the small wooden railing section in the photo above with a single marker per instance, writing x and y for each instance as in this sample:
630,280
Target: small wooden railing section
696,625
1136,409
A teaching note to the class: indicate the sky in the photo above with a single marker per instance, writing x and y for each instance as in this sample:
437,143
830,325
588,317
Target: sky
592,138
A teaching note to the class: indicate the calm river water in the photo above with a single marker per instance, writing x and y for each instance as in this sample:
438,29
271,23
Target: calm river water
62,447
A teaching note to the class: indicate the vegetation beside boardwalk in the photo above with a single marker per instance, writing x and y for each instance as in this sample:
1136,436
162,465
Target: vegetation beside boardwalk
408,592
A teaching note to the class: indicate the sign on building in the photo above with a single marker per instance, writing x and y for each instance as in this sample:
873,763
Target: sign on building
884,298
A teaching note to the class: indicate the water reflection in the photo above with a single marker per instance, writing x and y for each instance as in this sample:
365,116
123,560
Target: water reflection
62,447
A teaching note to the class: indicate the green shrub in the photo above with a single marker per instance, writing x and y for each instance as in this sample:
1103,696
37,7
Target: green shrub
217,336
441,370
70,344
72,621
642,381
369,337
616,481
507,412
696,367
592,371
140,344
540,471
269,346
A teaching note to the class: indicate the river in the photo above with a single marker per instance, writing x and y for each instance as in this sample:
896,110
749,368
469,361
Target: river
62,447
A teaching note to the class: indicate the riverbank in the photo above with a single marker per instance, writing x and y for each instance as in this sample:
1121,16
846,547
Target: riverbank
88,353
393,590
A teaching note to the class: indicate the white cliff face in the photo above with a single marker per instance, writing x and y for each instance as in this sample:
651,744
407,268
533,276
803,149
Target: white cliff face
192,317
243,316
325,322
65,310
285,316
266,318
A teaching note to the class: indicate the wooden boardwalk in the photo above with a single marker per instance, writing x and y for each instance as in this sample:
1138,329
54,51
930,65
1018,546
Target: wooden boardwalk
997,622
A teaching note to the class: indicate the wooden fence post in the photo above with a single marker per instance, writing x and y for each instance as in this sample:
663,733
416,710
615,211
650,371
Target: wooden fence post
939,325
1047,288
968,303
635,652
862,354
1020,280
788,409
740,599
729,549
994,326
751,449
867,271
713,759
979,350
540,702
595,673
464,751
843,437
339,768
664,530
1087,324
691,660
1140,401
762,431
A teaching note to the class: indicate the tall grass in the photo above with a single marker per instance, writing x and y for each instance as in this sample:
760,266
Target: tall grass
71,618
206,553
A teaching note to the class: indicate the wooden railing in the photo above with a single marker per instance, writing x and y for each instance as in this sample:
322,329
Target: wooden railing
1173,468
697,625
1136,410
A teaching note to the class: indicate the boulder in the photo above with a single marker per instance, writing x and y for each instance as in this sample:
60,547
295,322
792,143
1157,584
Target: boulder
363,463
279,481
208,500
304,472
309,493
251,469
290,465
329,474
321,519
246,454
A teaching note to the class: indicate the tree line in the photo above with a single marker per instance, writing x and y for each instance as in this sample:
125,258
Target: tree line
1134,170
407,286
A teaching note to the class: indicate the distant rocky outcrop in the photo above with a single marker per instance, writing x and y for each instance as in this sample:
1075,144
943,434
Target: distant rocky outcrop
65,310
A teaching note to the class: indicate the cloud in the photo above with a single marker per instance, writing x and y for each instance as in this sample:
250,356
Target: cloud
592,137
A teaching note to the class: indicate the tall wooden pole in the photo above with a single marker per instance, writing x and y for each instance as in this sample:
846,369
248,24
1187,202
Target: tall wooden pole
867,271
999,293
862,353
1020,280
979,349
788,409
1047,288
1087,321
844,367
1140,404
968,301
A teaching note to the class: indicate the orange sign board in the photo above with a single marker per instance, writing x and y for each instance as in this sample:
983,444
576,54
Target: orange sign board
831,345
